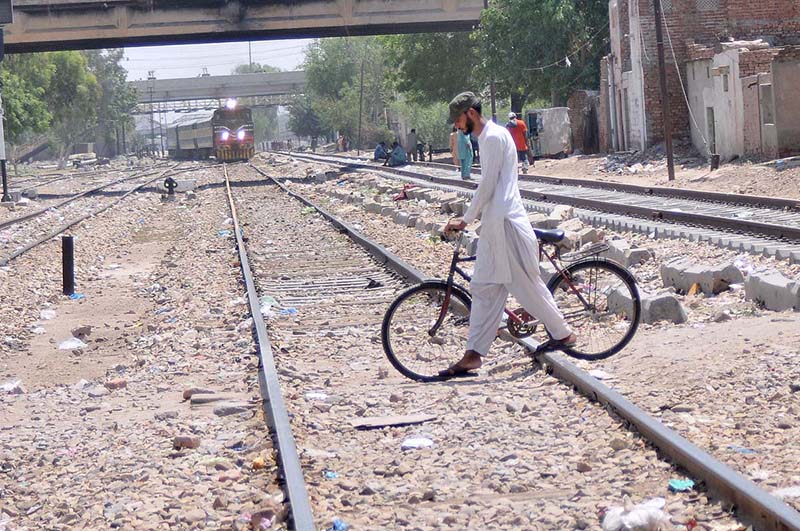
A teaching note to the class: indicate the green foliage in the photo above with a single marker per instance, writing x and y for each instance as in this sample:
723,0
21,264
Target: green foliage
255,68
117,98
433,67
25,78
430,121
333,83
527,43
73,98
303,120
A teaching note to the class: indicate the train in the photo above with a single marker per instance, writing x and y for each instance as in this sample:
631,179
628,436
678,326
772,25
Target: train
225,134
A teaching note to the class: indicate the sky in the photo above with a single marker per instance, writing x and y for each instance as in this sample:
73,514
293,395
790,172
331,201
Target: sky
188,60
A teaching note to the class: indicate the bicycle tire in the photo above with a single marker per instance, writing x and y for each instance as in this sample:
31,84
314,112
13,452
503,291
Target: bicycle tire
622,306
415,356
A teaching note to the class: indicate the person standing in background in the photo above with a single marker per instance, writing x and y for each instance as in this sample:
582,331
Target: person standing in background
464,154
411,145
454,147
519,132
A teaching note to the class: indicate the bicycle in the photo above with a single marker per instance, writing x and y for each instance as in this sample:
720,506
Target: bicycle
425,329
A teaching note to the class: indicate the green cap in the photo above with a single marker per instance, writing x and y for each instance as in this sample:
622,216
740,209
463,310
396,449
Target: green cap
460,104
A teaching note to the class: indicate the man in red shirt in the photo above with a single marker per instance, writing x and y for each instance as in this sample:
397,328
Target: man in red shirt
519,132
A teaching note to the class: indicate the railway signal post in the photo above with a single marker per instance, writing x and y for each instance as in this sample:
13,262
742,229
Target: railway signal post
6,197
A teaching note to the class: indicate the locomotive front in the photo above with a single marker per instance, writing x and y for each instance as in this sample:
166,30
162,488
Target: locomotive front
233,133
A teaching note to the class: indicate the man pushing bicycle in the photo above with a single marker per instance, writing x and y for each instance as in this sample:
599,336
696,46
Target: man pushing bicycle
507,259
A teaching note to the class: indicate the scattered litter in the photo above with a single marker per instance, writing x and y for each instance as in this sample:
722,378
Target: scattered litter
259,463
316,395
288,311
224,233
788,492
600,374
71,344
38,330
646,516
330,474
366,423
741,449
308,210
46,315
416,442
338,525
13,387
77,296
681,485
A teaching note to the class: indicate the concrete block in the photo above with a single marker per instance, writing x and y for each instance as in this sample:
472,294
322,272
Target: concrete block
400,217
590,235
616,250
664,307
537,220
562,212
619,302
574,225
547,271
682,274
458,207
373,207
636,256
412,220
30,193
471,243
571,241
773,290
388,211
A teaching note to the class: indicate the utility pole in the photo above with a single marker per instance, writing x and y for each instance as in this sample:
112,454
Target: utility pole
361,104
662,74
161,119
151,85
6,17
492,96
250,53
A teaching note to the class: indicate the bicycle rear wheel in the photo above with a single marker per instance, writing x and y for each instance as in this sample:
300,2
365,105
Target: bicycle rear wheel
600,301
419,338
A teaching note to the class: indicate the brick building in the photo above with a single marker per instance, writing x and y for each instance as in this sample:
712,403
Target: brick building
700,30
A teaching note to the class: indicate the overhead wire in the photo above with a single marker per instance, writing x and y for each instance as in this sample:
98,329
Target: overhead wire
574,53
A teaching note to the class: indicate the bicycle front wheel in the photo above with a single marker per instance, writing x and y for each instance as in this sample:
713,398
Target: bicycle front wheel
601,304
425,330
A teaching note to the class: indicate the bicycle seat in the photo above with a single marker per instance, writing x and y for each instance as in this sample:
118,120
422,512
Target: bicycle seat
549,236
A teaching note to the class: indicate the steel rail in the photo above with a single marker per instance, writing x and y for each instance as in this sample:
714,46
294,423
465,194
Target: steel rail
272,401
752,503
72,198
763,201
687,218
4,261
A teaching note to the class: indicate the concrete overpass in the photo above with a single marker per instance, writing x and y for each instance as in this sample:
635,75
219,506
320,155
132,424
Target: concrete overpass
219,87
41,25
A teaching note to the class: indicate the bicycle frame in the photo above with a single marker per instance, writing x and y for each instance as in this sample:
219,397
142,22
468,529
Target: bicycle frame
455,269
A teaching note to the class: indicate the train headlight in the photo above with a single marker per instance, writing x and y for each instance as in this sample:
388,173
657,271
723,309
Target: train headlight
225,135
230,104
240,135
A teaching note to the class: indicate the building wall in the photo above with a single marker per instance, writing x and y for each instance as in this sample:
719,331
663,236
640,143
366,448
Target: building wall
752,116
786,87
700,86
604,110
705,21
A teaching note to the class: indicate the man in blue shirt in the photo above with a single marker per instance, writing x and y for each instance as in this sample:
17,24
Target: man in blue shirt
380,152
464,154
398,156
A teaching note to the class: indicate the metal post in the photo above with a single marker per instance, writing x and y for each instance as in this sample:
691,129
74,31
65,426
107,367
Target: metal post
6,197
361,105
68,264
161,129
662,73
491,80
151,78
250,53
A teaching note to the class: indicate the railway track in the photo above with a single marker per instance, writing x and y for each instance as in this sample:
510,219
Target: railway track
760,225
325,297
37,227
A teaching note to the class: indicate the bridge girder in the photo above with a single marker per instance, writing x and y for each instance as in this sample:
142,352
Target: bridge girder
219,87
42,25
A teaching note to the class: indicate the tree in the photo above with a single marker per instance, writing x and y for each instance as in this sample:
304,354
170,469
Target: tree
255,68
25,78
528,44
73,98
117,99
334,83
453,57
303,119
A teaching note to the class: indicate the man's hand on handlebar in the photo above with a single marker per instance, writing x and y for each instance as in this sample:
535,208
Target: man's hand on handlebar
453,226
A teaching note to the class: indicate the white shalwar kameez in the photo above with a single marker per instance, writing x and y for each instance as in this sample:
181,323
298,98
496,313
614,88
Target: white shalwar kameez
508,252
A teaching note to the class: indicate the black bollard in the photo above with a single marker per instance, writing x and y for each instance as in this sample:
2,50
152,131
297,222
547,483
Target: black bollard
68,264
6,197
714,161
